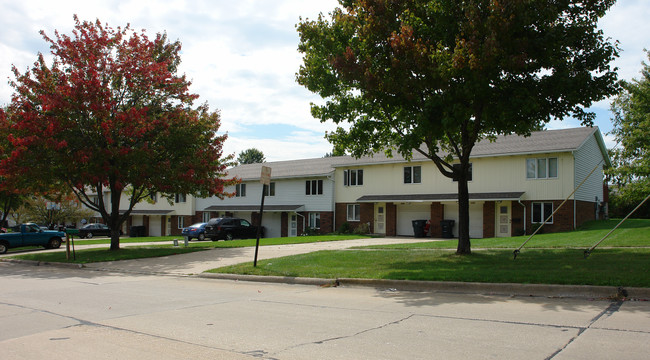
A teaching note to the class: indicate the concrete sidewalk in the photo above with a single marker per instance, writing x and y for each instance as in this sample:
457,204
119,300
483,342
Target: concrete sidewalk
198,262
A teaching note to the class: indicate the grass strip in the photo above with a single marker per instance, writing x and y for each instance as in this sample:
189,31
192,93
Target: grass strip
102,255
607,267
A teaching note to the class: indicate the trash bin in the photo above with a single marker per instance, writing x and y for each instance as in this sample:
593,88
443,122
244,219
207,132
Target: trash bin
137,231
418,228
447,227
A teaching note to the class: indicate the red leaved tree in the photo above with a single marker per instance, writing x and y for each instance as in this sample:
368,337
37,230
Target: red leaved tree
111,115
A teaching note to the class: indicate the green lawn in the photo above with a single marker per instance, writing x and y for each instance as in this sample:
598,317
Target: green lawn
137,252
622,260
608,267
633,233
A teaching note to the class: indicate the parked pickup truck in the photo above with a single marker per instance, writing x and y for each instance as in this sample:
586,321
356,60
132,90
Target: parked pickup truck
30,235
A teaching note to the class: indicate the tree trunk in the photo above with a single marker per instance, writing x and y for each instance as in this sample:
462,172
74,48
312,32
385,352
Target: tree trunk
114,219
464,246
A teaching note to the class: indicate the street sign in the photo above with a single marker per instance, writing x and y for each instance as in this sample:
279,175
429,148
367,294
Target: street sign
265,178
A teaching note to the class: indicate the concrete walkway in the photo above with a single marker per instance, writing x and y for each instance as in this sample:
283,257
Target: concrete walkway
200,261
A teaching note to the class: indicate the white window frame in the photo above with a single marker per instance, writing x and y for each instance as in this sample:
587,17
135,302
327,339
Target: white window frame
181,222
353,177
270,189
533,164
314,220
411,171
543,205
354,212
240,190
206,216
180,198
311,184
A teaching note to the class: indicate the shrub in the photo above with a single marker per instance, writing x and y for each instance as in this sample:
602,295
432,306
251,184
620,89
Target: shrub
345,228
362,229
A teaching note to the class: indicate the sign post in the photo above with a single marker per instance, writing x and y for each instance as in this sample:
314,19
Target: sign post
265,179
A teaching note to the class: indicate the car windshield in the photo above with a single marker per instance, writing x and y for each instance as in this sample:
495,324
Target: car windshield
198,225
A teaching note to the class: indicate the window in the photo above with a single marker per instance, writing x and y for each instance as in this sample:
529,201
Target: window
314,220
180,198
314,187
181,222
544,168
269,190
240,190
353,177
153,197
354,212
206,216
469,171
412,174
541,212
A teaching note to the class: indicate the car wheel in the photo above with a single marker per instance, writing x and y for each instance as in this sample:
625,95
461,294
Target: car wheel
54,243
89,235
3,248
201,237
229,236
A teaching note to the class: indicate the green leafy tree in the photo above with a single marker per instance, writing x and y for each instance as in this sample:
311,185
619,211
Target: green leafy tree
251,156
438,76
55,209
631,158
111,113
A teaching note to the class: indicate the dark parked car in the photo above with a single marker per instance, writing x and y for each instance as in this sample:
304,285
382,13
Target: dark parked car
90,230
195,231
228,228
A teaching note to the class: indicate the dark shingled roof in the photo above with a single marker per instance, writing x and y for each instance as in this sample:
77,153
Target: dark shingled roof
548,141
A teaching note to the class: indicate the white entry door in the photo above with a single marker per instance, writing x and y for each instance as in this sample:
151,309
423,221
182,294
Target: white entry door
503,219
380,218
293,225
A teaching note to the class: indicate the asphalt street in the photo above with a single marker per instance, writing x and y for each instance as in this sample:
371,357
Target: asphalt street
157,309
60,313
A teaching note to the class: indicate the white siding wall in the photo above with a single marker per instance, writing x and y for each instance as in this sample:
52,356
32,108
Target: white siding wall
587,157
495,174
287,192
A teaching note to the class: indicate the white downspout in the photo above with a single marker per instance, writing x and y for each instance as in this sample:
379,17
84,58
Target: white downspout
522,204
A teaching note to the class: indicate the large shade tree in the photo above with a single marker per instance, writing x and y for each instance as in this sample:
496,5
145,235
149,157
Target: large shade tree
111,115
251,156
631,158
438,76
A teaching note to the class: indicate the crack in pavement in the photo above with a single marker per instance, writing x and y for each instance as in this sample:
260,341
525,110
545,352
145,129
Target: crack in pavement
319,342
81,322
611,309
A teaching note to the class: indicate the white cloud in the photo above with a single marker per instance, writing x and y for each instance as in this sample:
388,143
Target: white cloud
242,58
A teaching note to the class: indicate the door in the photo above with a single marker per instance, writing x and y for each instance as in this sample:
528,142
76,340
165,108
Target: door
503,219
380,219
169,226
293,225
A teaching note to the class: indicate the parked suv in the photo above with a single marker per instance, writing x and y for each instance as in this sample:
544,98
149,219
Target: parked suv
229,228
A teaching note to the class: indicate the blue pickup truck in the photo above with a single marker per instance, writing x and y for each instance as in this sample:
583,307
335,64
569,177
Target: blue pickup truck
30,235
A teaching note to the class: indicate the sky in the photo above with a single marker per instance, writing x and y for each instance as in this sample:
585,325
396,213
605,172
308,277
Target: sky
242,59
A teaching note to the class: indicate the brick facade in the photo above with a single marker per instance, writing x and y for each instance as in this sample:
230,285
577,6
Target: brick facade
391,219
437,215
489,219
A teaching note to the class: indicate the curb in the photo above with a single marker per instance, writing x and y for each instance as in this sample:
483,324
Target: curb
44,263
508,289
271,279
